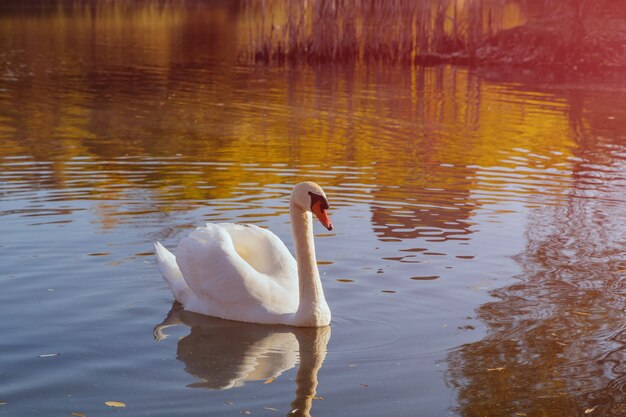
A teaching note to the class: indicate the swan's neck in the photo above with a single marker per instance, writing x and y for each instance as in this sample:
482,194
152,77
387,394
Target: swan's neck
312,310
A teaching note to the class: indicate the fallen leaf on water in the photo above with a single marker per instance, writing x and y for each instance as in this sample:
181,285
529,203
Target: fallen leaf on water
115,404
79,414
495,369
269,380
590,410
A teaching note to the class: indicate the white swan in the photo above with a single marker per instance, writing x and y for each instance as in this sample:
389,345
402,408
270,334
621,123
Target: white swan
245,273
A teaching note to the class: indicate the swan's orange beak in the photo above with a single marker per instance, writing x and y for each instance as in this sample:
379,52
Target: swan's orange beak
322,215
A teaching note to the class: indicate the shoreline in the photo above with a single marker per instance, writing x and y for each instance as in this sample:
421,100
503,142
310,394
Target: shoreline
551,43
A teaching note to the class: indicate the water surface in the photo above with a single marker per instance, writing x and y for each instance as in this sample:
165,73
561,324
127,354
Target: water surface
476,266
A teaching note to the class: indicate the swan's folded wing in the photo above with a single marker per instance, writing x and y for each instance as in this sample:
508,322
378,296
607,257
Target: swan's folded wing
264,251
216,272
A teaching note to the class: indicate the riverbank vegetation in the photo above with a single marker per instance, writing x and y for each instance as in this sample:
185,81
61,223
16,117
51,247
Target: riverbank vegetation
566,34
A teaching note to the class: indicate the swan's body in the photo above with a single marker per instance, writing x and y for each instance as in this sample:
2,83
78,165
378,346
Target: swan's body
245,273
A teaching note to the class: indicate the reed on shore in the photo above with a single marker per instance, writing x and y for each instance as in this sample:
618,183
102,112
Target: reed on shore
372,30
434,31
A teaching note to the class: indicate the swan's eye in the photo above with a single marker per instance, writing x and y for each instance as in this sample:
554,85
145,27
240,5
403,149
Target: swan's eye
316,198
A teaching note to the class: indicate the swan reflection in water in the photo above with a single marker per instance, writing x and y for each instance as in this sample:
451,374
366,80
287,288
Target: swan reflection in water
225,354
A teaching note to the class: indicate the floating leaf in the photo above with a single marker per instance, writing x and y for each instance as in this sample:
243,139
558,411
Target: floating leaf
269,380
425,277
79,414
590,410
115,404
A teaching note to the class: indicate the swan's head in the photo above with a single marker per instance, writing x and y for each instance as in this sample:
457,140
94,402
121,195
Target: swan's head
310,197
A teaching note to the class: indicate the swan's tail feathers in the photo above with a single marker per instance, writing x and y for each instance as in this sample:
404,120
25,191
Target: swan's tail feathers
166,261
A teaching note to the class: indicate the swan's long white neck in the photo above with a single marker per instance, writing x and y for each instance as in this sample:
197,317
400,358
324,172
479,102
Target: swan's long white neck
313,309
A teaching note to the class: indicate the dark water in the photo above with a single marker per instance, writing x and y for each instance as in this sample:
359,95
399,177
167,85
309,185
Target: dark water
476,266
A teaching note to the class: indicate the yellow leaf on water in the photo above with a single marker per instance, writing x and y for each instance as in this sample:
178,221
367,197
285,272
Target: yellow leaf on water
115,404
269,380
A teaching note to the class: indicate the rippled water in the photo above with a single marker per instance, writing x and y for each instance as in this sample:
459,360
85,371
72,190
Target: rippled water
476,266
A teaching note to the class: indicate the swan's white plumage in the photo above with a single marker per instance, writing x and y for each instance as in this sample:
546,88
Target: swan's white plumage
232,271
246,273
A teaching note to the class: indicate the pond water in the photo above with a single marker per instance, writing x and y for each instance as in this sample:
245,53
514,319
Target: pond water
476,266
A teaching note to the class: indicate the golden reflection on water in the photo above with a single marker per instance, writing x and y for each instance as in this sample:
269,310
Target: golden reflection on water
163,125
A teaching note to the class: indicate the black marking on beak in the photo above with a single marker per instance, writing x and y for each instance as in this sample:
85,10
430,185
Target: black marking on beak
315,198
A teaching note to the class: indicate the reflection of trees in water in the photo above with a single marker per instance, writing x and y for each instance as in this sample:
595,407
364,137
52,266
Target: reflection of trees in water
415,196
413,212
556,341
188,122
